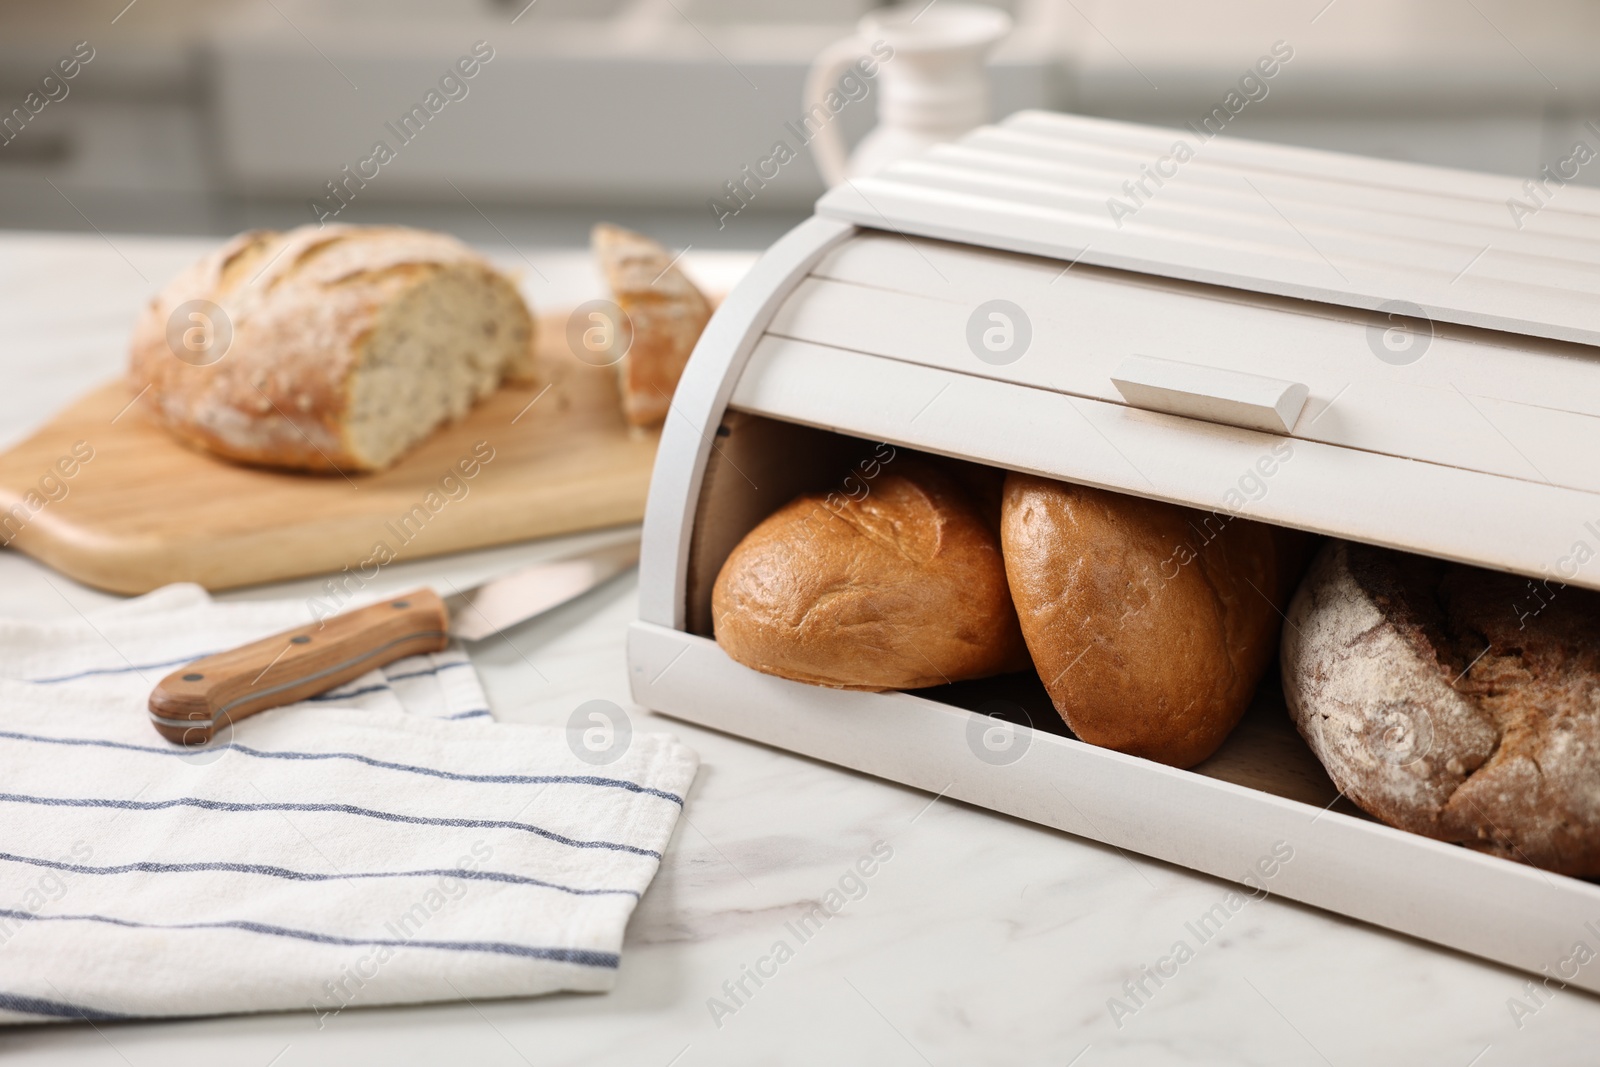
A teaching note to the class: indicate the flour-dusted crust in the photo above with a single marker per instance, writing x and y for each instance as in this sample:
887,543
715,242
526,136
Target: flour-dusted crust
667,314
901,589
349,344
1454,702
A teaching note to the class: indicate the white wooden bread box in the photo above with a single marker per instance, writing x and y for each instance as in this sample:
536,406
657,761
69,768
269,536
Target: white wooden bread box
1247,303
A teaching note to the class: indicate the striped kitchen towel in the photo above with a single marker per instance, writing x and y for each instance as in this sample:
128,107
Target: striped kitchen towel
130,647
390,844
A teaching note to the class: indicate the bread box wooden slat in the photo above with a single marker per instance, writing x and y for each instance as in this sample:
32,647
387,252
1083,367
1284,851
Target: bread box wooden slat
1493,274
854,329
1492,402
1436,509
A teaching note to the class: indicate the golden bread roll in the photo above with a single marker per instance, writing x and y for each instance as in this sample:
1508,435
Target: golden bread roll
901,589
1150,624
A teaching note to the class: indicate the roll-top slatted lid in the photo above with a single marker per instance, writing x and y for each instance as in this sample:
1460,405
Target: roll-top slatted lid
1476,249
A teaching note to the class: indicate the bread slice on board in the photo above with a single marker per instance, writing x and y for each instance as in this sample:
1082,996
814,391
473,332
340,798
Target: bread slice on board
666,314
326,349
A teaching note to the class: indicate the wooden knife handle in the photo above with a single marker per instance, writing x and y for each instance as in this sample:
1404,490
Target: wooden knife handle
192,702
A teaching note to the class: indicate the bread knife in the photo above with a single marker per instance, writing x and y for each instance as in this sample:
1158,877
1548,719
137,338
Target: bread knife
189,705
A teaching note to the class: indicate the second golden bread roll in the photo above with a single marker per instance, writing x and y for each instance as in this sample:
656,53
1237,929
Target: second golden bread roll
1150,624
901,589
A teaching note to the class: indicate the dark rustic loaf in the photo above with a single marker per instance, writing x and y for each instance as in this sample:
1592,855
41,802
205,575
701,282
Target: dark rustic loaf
900,589
1150,624
1451,701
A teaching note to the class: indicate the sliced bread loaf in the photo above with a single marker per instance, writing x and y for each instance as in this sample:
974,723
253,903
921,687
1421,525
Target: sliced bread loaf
327,349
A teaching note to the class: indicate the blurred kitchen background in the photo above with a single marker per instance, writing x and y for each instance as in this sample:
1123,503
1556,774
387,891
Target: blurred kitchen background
210,116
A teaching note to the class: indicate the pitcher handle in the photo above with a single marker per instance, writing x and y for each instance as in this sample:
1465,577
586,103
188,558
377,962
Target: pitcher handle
826,70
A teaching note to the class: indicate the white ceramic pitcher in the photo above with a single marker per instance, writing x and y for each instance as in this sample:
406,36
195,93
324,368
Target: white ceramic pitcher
932,90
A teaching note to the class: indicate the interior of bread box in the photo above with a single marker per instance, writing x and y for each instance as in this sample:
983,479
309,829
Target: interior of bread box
761,463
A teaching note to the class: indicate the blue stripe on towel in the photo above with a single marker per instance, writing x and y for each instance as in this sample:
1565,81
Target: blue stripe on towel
480,713
345,809
57,1009
493,779
310,876
430,670
118,670
91,672
584,956
337,694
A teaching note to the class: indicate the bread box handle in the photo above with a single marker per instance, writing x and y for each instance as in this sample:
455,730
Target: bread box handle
1196,391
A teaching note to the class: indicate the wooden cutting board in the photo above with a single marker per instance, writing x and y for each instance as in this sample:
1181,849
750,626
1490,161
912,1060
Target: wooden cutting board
145,510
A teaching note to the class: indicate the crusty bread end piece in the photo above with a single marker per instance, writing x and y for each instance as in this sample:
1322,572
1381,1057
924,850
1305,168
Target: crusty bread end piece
667,314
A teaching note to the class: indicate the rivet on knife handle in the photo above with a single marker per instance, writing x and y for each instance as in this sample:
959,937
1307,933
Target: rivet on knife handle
190,704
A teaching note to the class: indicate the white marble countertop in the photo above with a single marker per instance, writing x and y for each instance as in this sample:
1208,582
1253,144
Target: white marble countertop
982,940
